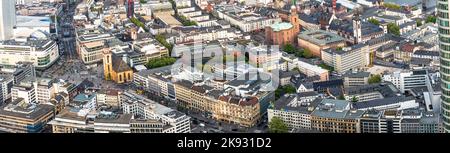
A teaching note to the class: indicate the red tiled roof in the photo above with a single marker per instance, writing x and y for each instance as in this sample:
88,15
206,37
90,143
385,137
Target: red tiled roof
250,101
408,48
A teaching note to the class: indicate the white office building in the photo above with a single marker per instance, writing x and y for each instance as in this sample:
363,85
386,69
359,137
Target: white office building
132,103
38,49
24,90
244,19
349,58
6,83
405,80
295,112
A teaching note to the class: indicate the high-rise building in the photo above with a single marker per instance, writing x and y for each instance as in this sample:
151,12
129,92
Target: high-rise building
7,19
129,6
444,35
6,83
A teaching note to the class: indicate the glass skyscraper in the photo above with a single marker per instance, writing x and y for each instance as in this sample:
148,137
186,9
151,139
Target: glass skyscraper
444,45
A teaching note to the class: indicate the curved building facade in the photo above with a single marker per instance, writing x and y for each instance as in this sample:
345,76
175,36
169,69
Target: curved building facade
444,45
42,53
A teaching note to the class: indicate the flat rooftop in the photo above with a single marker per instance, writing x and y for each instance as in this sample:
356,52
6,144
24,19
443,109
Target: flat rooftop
33,21
320,37
113,118
20,109
168,19
290,103
337,109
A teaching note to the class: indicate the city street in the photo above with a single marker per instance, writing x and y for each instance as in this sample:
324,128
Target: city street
69,67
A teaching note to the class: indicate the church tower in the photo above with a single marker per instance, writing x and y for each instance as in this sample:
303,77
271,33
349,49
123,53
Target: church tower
357,34
293,18
107,63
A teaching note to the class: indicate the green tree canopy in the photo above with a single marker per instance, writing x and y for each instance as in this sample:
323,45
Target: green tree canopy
393,29
186,22
307,53
299,53
374,21
289,48
326,67
277,125
354,99
392,6
160,62
341,97
431,19
419,22
138,23
289,89
374,79
161,39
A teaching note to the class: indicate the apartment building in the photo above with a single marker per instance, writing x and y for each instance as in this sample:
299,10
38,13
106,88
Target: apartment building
408,79
6,84
19,116
90,44
132,103
356,78
109,97
25,91
20,71
45,89
371,92
237,110
348,58
335,116
105,122
295,113
244,19
400,121
311,70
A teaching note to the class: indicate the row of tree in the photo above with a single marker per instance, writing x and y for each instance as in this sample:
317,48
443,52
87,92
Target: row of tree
287,89
392,27
187,22
298,52
137,22
160,62
162,39
326,67
395,29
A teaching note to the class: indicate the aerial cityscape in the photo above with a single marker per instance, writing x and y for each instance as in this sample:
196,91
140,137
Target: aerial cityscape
224,66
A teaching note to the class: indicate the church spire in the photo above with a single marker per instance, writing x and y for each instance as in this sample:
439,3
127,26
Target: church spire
293,5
